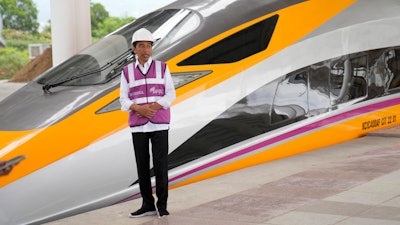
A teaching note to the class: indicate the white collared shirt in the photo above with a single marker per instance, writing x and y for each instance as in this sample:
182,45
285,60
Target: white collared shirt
164,101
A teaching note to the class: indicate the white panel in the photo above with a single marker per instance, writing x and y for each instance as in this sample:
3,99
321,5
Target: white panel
70,28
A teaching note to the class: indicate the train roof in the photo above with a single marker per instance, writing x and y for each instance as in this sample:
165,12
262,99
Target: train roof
214,19
362,11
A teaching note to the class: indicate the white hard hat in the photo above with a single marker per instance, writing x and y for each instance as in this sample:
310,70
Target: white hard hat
142,35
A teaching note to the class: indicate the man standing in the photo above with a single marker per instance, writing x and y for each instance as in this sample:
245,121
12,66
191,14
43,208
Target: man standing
147,91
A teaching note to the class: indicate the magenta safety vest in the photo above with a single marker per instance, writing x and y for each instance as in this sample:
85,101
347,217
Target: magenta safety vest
147,89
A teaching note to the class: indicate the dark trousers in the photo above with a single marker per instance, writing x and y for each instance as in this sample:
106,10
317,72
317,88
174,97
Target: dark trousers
159,143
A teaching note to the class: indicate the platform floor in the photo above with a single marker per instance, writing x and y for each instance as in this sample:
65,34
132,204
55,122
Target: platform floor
352,183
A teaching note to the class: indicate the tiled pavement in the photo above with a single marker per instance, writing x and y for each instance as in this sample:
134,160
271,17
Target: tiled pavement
353,183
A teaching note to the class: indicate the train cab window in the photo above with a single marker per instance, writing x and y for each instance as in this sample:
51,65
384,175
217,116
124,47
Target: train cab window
238,46
101,62
392,69
91,66
291,99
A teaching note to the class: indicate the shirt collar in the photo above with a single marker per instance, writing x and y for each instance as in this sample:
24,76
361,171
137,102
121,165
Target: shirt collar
146,64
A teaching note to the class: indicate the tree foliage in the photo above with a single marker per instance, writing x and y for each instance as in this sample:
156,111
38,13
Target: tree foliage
11,60
21,29
97,15
102,23
19,15
109,25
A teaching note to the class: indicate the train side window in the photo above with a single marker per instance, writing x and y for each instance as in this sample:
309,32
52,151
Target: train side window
392,70
336,80
291,99
348,79
358,87
238,46
376,83
318,92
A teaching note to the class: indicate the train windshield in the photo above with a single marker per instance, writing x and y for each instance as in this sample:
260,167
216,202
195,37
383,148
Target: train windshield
103,61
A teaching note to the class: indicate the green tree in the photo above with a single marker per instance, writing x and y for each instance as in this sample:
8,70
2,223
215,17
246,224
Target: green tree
109,25
15,56
102,23
97,15
19,15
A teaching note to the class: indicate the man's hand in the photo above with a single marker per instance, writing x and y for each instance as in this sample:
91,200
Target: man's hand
156,106
144,110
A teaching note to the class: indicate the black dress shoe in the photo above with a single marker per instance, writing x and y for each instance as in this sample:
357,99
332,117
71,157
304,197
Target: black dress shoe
162,213
143,212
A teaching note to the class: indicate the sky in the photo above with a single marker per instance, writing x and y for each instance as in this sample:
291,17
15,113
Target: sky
117,8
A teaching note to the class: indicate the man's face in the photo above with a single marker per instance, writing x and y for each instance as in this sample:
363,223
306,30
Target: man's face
143,49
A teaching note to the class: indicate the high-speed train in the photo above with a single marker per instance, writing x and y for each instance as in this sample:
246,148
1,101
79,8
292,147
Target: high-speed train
255,81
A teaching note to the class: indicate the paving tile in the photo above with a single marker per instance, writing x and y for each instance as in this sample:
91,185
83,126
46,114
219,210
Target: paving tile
335,208
306,218
178,220
244,208
367,198
338,173
395,202
353,210
393,176
382,212
372,164
366,221
379,188
303,186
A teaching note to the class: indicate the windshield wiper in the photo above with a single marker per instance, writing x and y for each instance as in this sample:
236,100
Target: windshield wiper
46,87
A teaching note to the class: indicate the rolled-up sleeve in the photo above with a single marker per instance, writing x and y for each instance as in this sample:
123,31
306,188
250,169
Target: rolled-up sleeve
124,94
